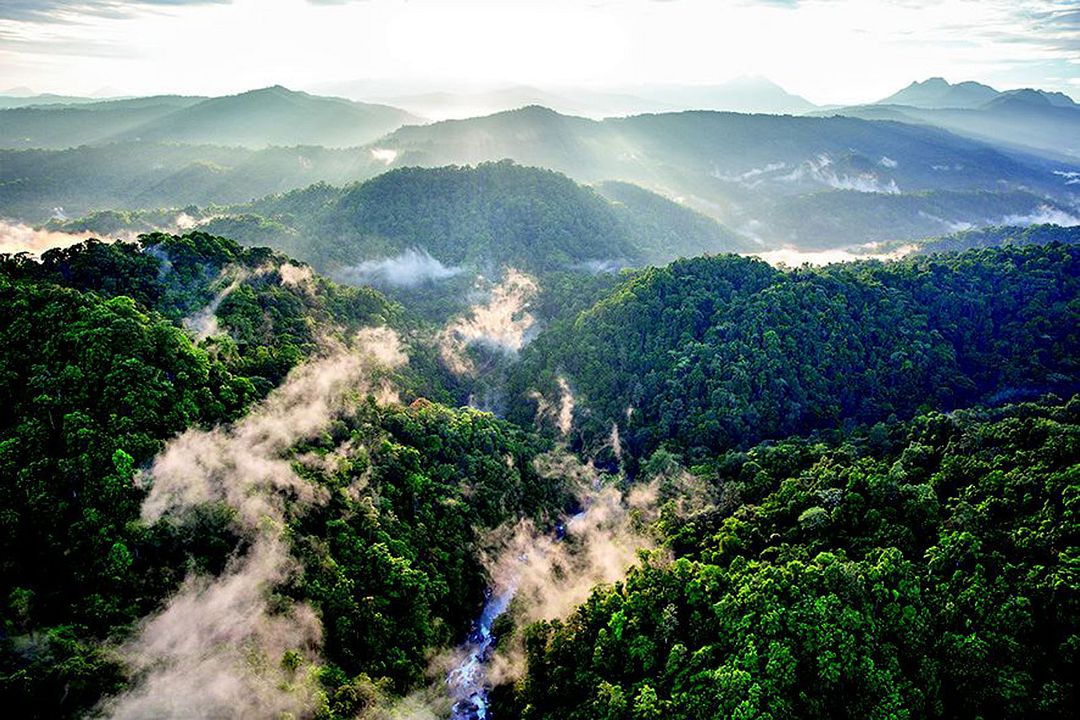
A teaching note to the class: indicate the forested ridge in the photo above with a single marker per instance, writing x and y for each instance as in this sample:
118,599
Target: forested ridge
99,372
856,513
722,351
493,214
918,569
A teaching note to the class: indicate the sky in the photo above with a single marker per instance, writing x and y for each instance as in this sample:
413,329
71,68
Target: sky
829,51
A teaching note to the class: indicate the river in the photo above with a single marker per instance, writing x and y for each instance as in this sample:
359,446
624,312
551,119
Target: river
467,684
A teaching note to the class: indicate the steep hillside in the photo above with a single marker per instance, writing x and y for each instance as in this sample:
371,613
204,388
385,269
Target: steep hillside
717,352
753,173
488,216
913,569
103,367
747,170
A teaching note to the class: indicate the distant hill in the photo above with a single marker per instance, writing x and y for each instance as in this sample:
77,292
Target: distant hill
483,218
778,180
939,93
786,154
275,116
65,125
756,173
255,119
480,218
38,184
751,94
1026,120
24,97
1000,236
444,105
1046,122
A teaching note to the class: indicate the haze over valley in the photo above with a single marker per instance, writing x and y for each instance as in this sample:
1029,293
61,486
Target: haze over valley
621,360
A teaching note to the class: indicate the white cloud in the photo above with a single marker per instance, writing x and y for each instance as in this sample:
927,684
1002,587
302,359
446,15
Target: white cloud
409,269
829,50
1044,214
216,648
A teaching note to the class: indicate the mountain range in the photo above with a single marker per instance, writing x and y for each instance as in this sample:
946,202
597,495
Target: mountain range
313,424
832,179
1025,119
254,119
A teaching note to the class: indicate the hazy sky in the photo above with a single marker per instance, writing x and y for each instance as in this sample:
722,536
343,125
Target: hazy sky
830,51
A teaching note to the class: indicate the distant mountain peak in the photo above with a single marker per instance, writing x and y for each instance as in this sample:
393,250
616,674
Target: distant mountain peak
271,90
1027,95
939,93
531,111
1029,99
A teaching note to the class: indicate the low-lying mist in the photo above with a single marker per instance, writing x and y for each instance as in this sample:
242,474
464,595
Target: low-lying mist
17,238
500,322
409,269
225,646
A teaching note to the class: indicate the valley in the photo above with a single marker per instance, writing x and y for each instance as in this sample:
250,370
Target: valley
475,361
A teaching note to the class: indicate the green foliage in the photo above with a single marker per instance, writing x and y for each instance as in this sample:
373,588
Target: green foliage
906,569
922,569
96,373
1004,235
91,386
482,217
100,373
270,322
392,561
716,352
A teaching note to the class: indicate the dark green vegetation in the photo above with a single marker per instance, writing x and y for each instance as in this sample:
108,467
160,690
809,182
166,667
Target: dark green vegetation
907,570
997,236
485,217
91,386
255,119
718,352
97,373
872,558
270,322
394,566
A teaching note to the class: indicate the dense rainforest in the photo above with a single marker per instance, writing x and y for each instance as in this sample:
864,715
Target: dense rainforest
862,479
483,217
915,569
521,362
99,372
718,352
